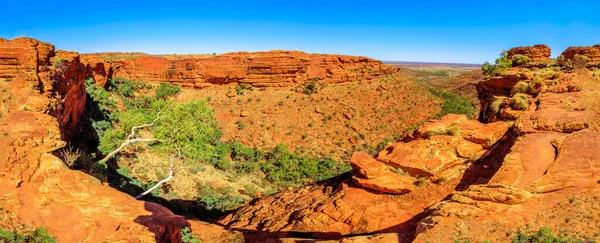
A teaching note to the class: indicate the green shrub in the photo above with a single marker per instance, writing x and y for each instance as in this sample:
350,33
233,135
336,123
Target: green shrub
188,237
520,60
165,90
100,96
289,170
191,127
502,64
544,235
519,102
453,103
580,61
488,69
310,87
242,88
40,235
222,199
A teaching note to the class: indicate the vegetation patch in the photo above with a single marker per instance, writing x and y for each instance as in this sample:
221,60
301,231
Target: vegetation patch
543,235
40,235
453,103
441,130
502,64
519,102
497,104
520,60
189,132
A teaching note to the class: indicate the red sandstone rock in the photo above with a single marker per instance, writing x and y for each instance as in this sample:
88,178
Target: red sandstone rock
537,53
366,166
273,68
375,175
37,188
593,52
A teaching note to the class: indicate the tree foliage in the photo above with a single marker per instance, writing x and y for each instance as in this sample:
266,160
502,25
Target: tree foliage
40,235
165,90
501,65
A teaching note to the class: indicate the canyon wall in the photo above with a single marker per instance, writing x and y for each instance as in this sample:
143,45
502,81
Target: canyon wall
42,98
260,69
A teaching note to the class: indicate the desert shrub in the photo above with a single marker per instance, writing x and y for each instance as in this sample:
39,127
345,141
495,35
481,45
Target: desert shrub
221,198
242,88
580,61
453,103
188,237
501,65
310,87
519,102
527,87
560,60
69,155
441,130
165,90
126,88
488,69
287,169
40,235
59,66
552,63
520,87
520,60
543,235
100,96
497,103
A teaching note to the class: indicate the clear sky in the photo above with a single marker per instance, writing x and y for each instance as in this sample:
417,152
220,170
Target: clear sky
434,31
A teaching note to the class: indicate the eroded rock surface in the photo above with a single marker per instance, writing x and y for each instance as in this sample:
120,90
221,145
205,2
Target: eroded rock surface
37,188
593,52
537,53
374,197
260,69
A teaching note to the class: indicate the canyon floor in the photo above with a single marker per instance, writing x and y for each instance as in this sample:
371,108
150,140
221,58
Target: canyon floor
285,146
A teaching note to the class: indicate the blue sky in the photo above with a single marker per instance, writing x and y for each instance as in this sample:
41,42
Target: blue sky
435,31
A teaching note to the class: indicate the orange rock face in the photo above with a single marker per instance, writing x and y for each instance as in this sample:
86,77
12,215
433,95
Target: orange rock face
361,202
37,188
593,52
273,68
537,53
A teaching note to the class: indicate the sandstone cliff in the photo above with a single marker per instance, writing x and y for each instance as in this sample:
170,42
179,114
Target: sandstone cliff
37,188
260,69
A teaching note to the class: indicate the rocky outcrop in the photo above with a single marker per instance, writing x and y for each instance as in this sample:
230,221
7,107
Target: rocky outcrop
375,175
451,142
554,156
260,69
537,53
593,52
407,176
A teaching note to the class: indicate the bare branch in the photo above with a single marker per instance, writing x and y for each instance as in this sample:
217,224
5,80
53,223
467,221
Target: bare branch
131,139
160,182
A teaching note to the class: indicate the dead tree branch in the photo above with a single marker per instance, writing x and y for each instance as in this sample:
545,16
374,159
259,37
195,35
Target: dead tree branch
131,139
160,182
